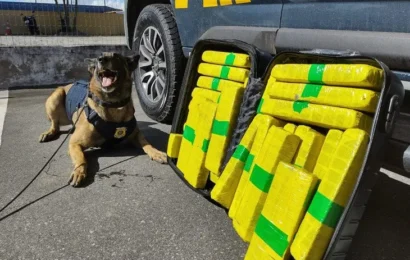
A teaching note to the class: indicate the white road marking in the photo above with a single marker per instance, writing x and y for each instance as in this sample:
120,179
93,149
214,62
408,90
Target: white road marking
4,97
396,176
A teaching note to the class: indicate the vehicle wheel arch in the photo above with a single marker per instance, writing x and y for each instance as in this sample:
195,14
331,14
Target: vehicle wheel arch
132,11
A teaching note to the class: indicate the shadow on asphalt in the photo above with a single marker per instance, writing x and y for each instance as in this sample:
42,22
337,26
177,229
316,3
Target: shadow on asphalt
155,136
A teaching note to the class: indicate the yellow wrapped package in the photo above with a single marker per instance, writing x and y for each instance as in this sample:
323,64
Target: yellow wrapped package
217,83
227,58
282,213
195,137
199,96
211,95
278,146
291,128
224,72
225,120
328,149
354,98
174,143
319,115
188,134
214,177
309,148
196,174
353,75
264,123
317,227
224,189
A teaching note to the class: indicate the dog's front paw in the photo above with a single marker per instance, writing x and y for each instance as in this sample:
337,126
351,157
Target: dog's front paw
77,176
47,136
158,156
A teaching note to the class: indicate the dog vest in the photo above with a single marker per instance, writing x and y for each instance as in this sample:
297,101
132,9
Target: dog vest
112,132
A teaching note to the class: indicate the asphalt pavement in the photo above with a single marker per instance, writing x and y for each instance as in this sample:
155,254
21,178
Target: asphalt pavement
134,208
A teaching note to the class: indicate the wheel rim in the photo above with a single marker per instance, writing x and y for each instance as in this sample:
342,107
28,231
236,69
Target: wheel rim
152,65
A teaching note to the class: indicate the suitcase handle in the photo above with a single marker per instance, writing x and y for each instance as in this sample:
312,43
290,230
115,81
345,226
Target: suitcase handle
392,112
332,52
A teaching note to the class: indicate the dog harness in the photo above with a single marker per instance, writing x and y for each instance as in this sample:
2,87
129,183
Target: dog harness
112,132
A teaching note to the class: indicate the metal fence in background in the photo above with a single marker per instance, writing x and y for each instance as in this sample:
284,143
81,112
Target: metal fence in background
61,23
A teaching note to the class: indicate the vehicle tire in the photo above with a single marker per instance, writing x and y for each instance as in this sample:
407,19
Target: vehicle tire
159,74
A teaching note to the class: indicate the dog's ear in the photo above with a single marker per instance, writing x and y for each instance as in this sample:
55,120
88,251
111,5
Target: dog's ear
91,63
132,61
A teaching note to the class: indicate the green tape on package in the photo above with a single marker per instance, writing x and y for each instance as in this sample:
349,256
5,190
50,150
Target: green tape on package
249,162
220,127
205,145
241,153
325,210
230,59
316,73
311,90
261,179
272,235
189,134
298,106
215,83
224,72
260,106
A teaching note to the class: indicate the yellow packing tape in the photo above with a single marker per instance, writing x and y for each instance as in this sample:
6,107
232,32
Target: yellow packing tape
223,72
319,115
334,191
354,98
227,58
278,146
282,213
354,75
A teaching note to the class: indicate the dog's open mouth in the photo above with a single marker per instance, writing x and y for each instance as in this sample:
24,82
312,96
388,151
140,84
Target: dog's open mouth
107,77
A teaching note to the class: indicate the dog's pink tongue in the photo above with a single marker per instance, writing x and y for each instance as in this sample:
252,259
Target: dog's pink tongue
106,82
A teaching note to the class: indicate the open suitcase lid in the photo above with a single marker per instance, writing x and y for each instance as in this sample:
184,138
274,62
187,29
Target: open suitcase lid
391,97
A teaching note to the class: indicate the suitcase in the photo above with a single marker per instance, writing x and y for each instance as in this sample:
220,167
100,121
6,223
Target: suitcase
383,112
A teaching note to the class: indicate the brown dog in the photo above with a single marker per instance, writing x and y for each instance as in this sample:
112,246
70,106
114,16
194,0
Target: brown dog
102,111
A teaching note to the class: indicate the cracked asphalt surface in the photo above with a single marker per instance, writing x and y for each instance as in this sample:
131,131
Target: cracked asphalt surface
134,208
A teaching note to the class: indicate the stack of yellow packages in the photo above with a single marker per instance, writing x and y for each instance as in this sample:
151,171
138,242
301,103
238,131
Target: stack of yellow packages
297,93
325,95
279,145
195,137
241,163
228,74
281,215
211,116
339,178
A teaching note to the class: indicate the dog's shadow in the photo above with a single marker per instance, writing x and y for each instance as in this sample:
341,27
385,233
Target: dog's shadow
155,137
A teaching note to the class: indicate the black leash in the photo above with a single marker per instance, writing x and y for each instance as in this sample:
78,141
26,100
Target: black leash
45,165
